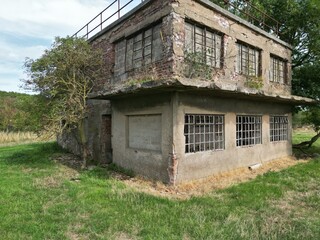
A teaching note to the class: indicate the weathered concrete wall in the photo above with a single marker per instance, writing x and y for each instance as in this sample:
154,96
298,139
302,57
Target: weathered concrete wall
167,113
145,130
203,164
207,14
98,131
153,11
144,154
169,41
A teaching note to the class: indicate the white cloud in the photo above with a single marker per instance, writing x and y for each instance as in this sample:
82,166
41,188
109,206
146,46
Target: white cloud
28,27
47,19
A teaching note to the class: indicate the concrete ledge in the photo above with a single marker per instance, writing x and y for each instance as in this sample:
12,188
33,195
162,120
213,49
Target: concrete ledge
198,86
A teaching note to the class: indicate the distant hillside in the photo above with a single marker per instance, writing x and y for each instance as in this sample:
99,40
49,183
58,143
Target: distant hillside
20,111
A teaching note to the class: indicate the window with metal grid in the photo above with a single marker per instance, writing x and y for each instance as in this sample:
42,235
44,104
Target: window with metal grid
144,48
204,42
278,128
248,130
278,70
248,60
203,133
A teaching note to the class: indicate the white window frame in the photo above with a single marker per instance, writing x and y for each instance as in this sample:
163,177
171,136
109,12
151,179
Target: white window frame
248,130
204,132
279,128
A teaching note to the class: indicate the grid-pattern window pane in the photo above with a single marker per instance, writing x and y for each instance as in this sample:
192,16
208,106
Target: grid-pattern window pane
204,42
144,48
249,130
248,60
278,128
203,132
278,70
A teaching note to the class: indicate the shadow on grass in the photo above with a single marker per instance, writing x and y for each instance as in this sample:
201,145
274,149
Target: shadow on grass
31,155
47,155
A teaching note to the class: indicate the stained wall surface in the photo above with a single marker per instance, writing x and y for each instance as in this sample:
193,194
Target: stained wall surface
165,115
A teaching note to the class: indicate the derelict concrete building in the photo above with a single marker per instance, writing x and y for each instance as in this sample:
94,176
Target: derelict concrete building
190,90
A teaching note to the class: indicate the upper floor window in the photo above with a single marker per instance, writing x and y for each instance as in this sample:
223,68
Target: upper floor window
278,70
139,50
248,130
248,60
204,43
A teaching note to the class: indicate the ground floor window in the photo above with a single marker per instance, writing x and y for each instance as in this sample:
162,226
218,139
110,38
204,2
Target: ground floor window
278,128
248,130
203,132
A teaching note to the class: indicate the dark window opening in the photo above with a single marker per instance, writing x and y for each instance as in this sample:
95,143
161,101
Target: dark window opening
248,130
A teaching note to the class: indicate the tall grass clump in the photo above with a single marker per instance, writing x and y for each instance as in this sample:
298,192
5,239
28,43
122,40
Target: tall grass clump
17,137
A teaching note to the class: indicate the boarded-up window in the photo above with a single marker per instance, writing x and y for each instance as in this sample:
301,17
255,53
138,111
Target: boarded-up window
205,43
144,132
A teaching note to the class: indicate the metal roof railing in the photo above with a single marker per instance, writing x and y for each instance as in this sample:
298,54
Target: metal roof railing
254,15
118,8
110,14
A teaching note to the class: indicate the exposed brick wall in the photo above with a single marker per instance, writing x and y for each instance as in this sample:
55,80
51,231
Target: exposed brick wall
154,11
171,16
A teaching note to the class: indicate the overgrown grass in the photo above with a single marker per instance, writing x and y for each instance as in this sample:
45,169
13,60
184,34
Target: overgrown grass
40,200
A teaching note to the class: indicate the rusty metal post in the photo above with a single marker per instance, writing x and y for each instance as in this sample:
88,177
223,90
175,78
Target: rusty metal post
119,6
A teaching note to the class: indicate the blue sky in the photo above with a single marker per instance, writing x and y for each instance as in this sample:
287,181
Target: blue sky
28,27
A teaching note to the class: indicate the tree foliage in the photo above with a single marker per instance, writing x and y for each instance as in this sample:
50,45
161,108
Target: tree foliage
64,75
298,23
20,112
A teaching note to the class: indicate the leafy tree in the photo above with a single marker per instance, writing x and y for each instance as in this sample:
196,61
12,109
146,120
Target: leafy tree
306,82
64,76
7,113
19,112
298,23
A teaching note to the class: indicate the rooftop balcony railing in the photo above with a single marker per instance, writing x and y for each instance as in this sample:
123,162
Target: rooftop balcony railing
110,14
248,11
117,8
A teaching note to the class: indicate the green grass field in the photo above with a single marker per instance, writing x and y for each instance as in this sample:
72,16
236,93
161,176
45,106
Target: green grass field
40,200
